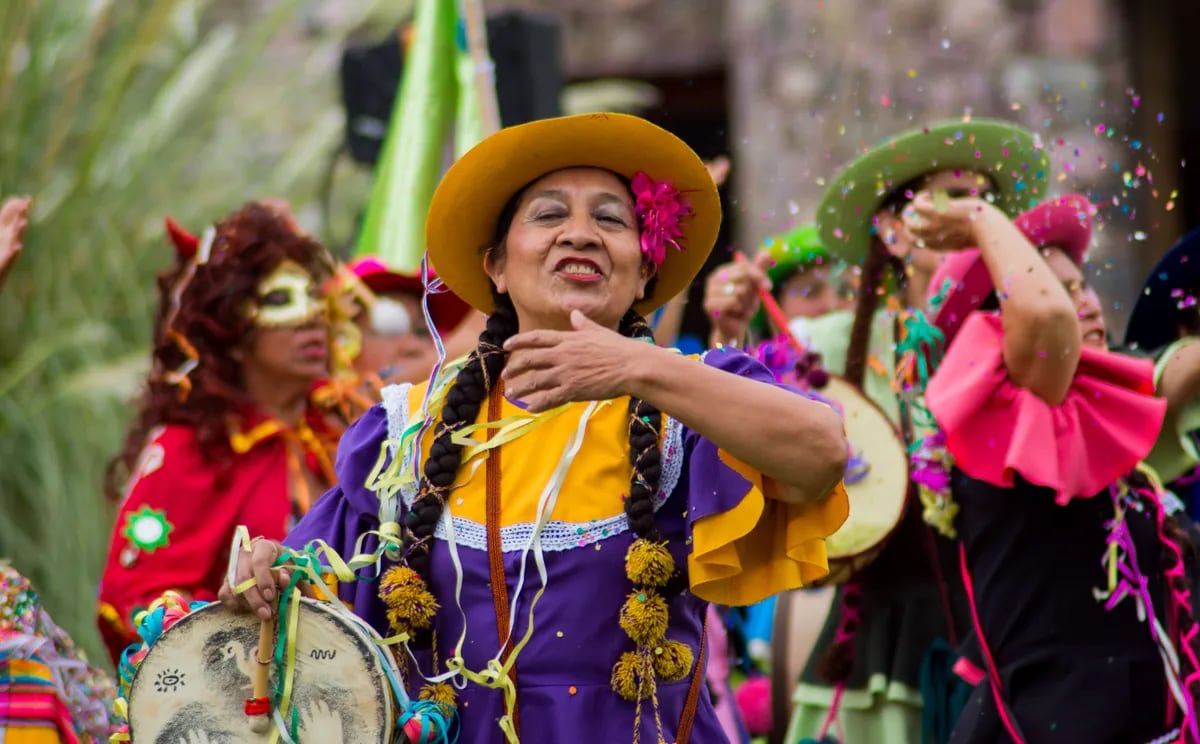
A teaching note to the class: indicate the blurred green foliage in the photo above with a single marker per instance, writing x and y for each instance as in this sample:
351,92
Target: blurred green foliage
114,113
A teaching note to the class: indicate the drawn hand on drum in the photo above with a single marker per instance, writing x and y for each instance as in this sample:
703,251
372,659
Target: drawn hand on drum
200,737
319,723
258,564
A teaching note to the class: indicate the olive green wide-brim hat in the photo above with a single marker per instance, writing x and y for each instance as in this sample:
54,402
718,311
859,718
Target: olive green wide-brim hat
1009,155
466,207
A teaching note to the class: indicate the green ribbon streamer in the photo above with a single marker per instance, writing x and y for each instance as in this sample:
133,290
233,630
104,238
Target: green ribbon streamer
921,335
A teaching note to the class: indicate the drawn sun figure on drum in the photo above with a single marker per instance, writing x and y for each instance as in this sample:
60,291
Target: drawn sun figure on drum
169,680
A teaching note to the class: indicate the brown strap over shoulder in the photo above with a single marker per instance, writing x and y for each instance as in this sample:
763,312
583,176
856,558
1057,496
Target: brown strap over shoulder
693,696
494,548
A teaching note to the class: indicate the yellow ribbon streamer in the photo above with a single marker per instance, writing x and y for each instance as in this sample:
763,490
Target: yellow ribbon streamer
508,429
1113,549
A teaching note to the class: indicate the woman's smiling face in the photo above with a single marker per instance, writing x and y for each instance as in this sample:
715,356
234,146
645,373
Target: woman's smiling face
573,244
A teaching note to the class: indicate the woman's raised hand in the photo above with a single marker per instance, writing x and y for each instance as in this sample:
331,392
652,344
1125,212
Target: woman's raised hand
731,297
258,564
945,224
546,369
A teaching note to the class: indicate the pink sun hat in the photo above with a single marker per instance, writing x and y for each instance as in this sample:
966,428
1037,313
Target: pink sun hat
962,283
446,308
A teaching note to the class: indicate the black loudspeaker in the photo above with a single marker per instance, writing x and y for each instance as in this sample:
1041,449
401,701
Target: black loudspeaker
370,76
525,47
527,50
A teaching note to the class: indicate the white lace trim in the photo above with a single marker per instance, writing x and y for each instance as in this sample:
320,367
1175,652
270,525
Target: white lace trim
395,403
556,535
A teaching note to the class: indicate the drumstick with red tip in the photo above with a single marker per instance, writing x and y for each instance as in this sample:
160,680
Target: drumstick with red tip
258,708
774,310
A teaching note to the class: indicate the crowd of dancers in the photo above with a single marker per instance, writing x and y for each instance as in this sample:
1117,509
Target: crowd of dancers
457,427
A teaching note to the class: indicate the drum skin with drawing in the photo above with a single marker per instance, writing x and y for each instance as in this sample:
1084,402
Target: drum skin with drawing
878,490
193,684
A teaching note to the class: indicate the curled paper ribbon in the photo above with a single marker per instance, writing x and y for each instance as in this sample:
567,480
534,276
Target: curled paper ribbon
1126,580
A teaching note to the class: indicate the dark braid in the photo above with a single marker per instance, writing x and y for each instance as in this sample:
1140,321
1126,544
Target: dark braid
875,271
463,401
645,454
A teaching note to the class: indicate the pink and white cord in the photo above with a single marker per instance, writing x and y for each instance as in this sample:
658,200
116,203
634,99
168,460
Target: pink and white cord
1121,556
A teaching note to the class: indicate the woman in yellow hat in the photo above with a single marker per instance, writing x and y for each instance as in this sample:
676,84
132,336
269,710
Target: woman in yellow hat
636,486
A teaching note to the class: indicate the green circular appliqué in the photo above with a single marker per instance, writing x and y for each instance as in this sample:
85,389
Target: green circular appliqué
147,529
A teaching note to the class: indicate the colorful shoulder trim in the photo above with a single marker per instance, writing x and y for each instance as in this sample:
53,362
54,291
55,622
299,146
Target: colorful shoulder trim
994,429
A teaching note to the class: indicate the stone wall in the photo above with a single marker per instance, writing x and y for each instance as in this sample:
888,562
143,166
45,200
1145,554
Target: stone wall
635,38
814,83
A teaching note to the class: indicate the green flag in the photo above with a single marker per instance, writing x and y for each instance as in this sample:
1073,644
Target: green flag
410,165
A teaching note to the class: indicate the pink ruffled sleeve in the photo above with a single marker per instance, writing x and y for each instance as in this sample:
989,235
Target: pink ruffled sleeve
994,429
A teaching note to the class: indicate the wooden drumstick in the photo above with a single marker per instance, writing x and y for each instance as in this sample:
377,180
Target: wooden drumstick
258,708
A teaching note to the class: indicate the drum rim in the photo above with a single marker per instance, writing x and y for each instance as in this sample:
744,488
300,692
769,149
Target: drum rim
898,438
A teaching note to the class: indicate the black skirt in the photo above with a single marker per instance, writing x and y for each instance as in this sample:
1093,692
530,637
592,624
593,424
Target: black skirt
1070,670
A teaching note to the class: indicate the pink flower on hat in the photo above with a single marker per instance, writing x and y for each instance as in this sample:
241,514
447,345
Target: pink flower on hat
660,209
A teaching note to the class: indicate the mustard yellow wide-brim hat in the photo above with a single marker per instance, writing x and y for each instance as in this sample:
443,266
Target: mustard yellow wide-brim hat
1008,154
467,204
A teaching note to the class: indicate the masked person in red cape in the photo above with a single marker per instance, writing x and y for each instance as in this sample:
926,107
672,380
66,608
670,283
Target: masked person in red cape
226,432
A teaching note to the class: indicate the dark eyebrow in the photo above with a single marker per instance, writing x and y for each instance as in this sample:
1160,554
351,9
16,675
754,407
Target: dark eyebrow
604,197
607,197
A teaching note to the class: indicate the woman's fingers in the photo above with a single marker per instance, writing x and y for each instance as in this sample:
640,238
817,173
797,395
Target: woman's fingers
257,565
732,290
229,599
533,340
520,362
545,400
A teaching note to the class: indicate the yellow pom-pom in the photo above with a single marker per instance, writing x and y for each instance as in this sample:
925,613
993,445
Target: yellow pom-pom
397,582
440,693
626,676
672,660
644,616
649,563
411,606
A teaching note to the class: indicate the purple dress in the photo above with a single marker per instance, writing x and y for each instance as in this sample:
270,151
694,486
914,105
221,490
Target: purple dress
563,674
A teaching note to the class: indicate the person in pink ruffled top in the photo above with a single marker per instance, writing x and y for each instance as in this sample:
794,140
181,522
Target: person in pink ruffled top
1073,570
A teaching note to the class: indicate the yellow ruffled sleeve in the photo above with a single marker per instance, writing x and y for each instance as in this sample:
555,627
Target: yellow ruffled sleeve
760,546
